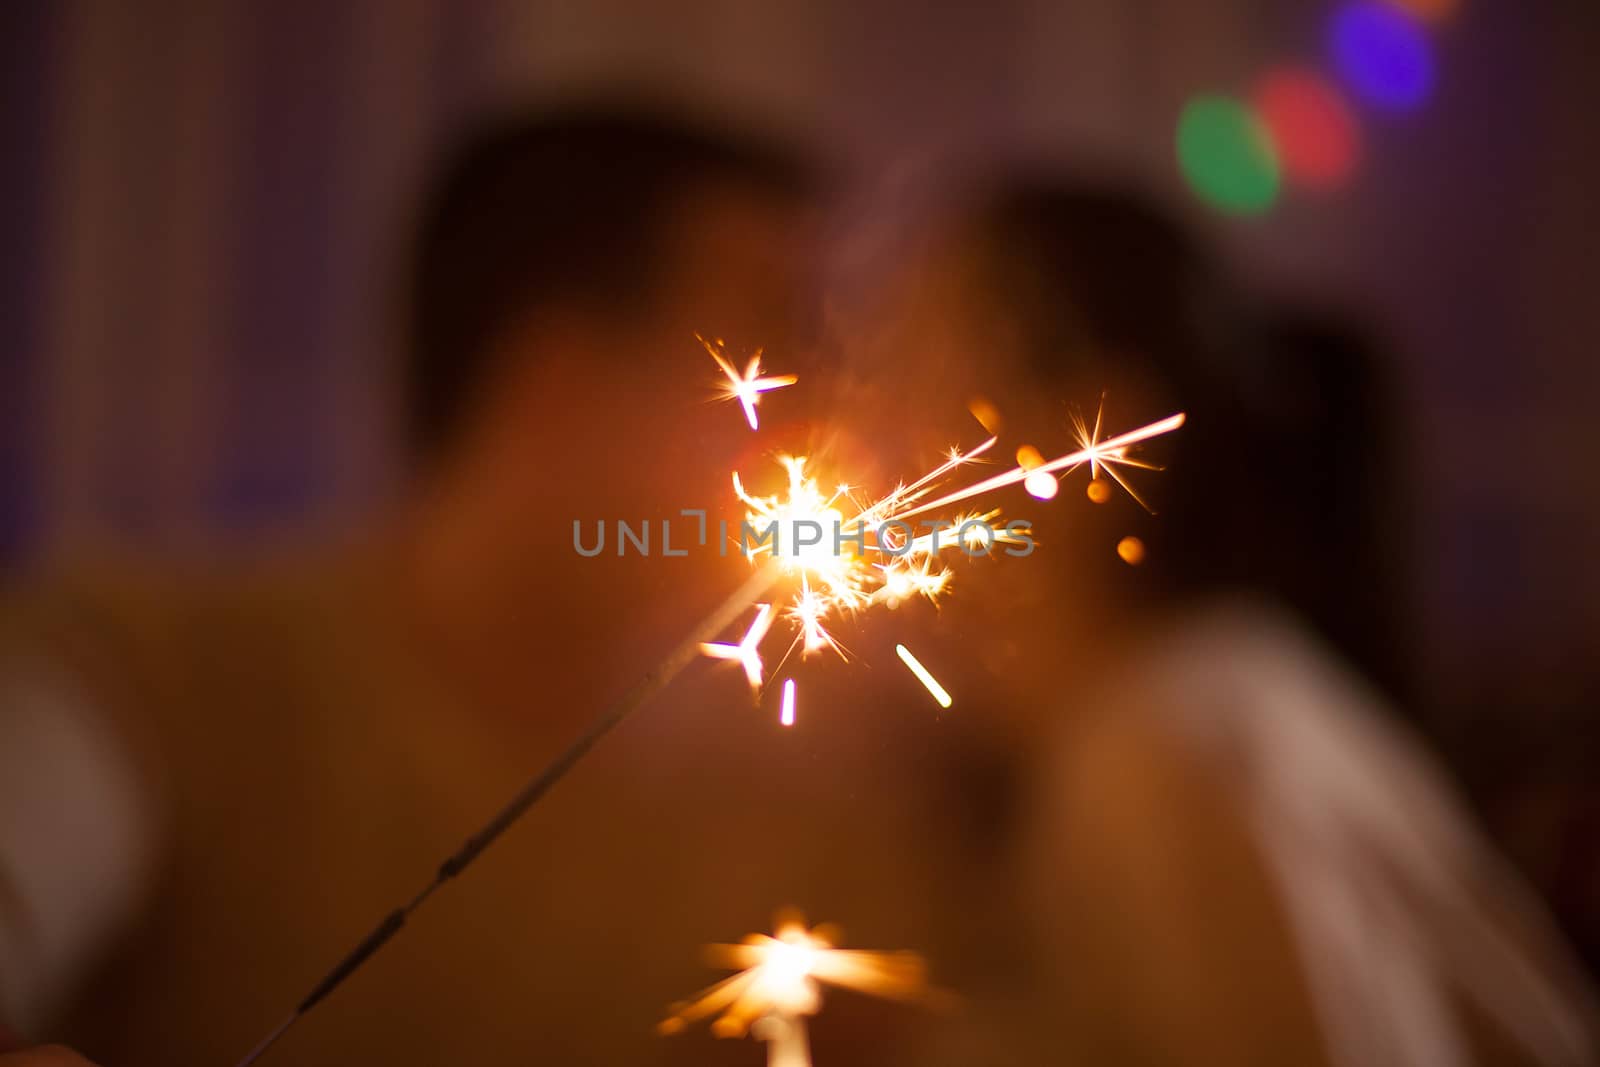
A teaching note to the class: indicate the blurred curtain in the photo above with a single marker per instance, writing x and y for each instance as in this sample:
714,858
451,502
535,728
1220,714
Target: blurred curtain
211,189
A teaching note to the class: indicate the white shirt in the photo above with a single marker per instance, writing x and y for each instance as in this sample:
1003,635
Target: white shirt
1399,908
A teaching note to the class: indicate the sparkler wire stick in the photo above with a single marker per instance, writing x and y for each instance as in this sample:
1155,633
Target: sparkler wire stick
760,580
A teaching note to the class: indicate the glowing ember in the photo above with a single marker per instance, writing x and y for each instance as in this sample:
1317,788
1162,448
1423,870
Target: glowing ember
1041,485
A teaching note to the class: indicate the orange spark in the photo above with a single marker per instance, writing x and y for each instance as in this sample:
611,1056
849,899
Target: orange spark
747,653
747,387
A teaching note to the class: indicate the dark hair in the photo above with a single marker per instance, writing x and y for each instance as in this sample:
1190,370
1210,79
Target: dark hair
1285,481
1102,285
567,208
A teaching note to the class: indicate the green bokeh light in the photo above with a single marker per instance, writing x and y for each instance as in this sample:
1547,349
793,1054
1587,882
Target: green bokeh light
1227,156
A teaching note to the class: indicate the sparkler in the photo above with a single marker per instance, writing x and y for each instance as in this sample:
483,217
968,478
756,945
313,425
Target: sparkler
896,566
828,583
779,984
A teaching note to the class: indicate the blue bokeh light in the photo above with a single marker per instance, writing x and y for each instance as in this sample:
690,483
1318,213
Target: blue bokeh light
1383,55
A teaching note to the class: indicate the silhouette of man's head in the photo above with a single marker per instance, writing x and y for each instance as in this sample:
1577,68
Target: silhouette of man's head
586,214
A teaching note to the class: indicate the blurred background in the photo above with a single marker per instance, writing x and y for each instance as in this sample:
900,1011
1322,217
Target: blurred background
202,205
